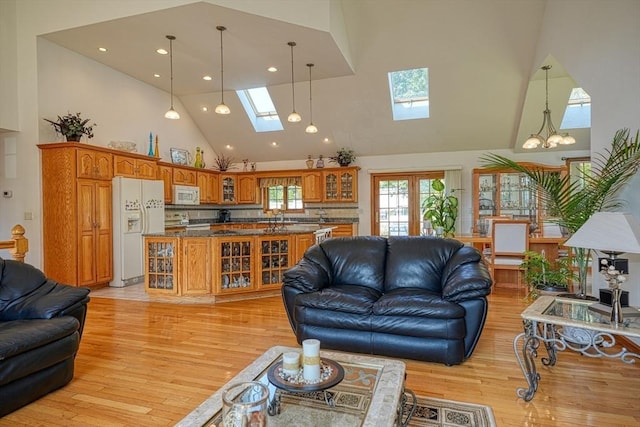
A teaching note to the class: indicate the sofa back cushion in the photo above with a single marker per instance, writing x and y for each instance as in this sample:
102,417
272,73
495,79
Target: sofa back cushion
357,260
18,279
418,262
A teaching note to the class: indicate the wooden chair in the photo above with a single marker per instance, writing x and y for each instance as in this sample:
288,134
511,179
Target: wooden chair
509,243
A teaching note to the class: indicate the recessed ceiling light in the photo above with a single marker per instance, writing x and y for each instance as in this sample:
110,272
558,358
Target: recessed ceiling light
229,147
102,49
272,69
326,140
156,75
274,144
205,109
162,51
207,78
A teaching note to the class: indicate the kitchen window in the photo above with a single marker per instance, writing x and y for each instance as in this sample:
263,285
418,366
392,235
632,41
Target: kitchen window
282,193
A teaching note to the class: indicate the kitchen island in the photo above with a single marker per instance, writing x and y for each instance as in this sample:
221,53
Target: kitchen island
227,264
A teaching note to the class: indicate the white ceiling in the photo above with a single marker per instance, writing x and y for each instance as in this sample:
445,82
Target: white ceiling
479,54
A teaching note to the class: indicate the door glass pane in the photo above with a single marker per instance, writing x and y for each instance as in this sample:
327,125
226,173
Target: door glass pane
393,198
425,190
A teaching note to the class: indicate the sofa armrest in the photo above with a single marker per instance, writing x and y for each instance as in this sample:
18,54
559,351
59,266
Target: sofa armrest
50,300
465,276
312,272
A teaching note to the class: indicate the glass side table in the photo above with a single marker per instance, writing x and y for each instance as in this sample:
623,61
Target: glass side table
563,323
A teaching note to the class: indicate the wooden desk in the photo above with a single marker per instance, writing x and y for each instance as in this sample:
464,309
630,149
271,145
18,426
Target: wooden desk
537,243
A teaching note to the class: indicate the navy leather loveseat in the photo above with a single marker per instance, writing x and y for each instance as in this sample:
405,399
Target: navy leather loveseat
419,298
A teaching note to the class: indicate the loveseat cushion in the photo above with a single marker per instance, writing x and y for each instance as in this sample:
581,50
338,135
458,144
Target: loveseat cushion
357,260
345,298
418,262
412,302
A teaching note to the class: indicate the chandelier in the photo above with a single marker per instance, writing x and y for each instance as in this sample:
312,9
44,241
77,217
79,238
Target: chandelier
552,138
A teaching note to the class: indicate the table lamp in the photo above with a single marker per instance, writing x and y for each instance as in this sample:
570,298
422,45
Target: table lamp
612,233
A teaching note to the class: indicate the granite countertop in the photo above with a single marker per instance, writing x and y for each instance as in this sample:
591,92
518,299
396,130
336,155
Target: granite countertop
288,220
289,229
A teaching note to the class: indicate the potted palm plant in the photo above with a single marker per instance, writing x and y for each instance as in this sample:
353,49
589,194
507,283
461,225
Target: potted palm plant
572,203
541,275
441,209
72,126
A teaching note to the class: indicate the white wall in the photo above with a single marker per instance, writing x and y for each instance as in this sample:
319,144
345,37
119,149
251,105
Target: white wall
598,42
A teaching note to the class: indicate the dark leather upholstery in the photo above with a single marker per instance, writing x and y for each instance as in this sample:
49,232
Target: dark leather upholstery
41,323
419,298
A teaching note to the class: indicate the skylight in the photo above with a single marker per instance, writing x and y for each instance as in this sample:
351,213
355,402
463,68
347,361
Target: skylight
260,109
578,112
409,91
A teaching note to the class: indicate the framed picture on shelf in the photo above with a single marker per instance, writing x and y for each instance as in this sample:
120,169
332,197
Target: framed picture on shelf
179,156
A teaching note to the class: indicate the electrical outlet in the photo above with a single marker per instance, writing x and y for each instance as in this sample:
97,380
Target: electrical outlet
7,194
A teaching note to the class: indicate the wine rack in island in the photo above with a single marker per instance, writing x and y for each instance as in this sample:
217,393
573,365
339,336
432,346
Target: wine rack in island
160,258
274,260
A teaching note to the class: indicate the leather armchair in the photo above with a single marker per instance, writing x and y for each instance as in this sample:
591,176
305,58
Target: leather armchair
41,323
420,298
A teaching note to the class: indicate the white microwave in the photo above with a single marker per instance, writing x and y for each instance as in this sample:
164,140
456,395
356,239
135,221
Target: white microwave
186,195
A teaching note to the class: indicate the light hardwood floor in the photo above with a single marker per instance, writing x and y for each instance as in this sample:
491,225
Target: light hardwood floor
151,363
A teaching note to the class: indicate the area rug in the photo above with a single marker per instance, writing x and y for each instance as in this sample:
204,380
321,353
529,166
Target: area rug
448,413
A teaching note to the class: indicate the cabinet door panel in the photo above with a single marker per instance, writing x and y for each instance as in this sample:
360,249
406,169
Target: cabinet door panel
146,169
124,166
196,266
104,252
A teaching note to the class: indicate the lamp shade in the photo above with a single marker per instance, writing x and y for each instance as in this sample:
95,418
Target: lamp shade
608,232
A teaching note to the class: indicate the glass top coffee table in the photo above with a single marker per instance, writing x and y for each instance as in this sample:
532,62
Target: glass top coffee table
369,395
565,323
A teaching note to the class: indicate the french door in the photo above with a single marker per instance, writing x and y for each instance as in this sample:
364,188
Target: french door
397,202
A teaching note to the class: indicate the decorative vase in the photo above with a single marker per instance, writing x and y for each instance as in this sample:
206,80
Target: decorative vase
320,162
344,164
616,307
74,138
150,152
309,162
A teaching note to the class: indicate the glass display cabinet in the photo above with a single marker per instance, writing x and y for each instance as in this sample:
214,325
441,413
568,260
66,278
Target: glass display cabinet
228,184
341,185
500,192
234,264
159,257
274,260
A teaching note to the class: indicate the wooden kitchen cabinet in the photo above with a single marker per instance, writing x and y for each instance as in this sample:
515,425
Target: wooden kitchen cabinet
209,184
165,173
196,266
161,270
341,230
93,164
95,249
302,243
183,176
133,167
228,189
312,186
340,184
77,213
273,261
247,189
234,264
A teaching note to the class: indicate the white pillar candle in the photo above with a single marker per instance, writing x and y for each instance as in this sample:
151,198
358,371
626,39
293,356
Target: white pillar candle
291,363
311,360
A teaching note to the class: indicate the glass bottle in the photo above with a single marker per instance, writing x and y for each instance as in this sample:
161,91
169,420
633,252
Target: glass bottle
320,162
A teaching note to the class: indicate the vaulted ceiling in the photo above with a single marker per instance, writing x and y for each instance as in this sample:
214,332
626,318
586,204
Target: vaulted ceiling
480,57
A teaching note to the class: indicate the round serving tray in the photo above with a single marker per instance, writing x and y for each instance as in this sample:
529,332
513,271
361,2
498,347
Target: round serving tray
336,375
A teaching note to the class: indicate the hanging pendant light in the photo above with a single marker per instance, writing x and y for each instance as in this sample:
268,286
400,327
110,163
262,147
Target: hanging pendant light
171,114
293,117
311,128
222,107
553,138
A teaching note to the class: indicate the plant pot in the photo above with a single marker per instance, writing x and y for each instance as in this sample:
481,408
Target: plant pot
551,289
343,164
74,138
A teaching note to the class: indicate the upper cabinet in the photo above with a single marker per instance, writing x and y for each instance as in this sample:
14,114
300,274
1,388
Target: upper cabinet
184,176
94,164
165,173
340,184
133,167
312,186
500,192
209,183
228,189
248,189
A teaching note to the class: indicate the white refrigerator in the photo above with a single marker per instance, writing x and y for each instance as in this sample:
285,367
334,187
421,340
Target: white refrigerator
138,208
